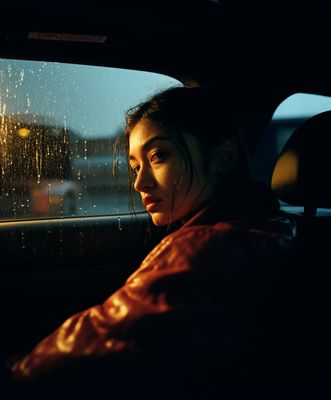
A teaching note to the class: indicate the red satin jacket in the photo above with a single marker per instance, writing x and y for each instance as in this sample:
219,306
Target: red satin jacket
200,295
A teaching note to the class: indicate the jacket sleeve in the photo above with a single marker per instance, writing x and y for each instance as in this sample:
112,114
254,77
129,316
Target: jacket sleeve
109,328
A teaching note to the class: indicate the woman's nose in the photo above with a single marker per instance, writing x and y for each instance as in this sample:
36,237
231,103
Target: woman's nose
144,180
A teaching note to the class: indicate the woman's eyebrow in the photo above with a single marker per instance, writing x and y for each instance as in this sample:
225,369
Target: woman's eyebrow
149,143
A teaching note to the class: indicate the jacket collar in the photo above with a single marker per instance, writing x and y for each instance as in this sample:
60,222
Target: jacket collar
245,198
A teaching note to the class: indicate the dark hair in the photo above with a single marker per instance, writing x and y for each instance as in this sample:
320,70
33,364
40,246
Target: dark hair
194,110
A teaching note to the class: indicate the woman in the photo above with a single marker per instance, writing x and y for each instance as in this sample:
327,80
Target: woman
196,304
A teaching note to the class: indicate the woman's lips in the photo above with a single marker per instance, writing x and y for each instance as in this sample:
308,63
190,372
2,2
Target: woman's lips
151,204
152,207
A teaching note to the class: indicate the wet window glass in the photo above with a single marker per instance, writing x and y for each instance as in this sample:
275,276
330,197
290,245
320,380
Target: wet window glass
58,128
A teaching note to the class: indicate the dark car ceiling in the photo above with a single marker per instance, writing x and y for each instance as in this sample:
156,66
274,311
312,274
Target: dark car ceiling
255,53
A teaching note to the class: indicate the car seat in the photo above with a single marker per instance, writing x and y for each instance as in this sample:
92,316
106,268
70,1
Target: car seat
302,177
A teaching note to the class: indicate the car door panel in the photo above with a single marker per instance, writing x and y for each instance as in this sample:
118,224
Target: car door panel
54,268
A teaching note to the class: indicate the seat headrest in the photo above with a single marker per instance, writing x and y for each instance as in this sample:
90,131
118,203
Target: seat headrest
302,173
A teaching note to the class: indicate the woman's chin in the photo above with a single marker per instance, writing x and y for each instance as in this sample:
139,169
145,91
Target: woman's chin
161,219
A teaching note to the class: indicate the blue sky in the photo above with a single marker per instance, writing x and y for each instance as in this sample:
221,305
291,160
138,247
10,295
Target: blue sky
92,100
302,105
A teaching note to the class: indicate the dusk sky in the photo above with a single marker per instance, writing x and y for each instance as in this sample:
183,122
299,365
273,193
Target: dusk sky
92,100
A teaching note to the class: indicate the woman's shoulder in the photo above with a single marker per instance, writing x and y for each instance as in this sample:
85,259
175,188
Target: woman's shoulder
186,243
277,224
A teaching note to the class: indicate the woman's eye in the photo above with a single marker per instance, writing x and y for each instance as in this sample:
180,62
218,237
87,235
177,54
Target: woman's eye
135,170
158,156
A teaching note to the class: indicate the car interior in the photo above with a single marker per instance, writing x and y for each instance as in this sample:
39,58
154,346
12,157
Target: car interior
253,54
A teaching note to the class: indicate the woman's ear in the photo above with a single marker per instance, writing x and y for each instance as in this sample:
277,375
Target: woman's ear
227,156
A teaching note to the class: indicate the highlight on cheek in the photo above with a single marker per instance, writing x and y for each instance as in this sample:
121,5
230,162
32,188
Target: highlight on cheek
175,192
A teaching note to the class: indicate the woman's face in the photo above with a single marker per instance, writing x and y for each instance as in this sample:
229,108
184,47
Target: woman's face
161,177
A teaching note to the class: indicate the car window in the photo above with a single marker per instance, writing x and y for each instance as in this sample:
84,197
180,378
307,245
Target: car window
58,127
292,112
